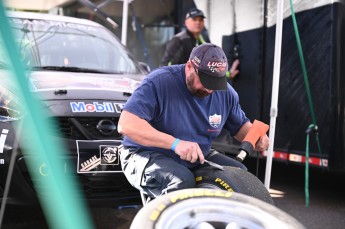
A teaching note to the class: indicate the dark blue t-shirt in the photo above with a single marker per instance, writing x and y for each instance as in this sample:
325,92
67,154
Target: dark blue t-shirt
164,100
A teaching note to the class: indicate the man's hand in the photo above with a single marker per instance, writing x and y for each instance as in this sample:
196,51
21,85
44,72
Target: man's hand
189,151
262,144
234,69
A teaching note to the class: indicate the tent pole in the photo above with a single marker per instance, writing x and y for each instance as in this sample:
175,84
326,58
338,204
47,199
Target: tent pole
275,89
124,22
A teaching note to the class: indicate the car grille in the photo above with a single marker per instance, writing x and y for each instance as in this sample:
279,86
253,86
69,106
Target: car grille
99,187
85,128
94,187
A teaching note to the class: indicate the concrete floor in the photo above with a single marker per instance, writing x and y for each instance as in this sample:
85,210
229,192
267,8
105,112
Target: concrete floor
326,204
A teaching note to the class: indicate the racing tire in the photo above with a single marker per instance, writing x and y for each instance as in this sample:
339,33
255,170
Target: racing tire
211,209
232,179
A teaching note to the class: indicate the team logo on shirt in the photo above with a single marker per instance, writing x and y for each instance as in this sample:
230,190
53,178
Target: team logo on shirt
215,120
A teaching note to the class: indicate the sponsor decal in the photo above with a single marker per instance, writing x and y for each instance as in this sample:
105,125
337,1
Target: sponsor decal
98,156
90,164
96,107
3,137
215,120
223,184
109,155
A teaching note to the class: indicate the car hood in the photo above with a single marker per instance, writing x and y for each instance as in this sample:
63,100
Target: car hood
52,85
48,81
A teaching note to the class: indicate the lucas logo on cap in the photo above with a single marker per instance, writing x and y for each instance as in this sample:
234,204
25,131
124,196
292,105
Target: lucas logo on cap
216,66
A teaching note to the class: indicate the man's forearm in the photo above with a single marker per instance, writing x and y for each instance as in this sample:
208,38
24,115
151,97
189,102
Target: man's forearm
140,131
241,134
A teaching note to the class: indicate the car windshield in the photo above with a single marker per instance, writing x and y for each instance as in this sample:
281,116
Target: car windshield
54,45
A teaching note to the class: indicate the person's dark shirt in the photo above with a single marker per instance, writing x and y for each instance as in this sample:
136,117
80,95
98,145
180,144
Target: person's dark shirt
180,46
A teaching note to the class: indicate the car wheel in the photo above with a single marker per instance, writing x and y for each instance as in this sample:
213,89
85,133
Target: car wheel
210,209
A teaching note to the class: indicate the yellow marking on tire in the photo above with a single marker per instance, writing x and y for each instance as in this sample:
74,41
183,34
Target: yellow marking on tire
223,184
199,193
198,178
155,214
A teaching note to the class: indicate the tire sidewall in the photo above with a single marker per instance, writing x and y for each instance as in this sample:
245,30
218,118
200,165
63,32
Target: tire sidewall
232,179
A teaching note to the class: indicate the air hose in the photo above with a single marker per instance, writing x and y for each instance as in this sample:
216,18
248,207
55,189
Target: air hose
63,209
313,126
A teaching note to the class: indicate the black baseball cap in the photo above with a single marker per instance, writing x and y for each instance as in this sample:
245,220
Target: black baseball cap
194,12
212,64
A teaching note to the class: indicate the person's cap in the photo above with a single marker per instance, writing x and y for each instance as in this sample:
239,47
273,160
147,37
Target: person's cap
212,64
192,13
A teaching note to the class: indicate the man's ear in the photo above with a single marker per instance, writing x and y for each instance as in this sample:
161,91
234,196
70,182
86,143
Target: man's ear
189,65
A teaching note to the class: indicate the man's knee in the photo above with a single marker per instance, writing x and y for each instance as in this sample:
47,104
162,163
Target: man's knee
181,181
186,183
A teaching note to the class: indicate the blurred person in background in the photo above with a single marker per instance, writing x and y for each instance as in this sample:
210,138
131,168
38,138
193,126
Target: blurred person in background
180,46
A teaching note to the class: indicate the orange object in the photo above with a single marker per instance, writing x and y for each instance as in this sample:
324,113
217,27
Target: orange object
257,130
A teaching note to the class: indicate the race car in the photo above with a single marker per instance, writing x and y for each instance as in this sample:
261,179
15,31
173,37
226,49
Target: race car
83,76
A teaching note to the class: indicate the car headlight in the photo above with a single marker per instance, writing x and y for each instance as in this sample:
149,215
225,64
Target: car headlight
9,106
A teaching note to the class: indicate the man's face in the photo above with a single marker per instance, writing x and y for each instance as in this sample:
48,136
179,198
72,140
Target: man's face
194,84
195,25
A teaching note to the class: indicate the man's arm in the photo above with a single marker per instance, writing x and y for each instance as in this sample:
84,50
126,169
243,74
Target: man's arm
140,131
261,145
234,68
